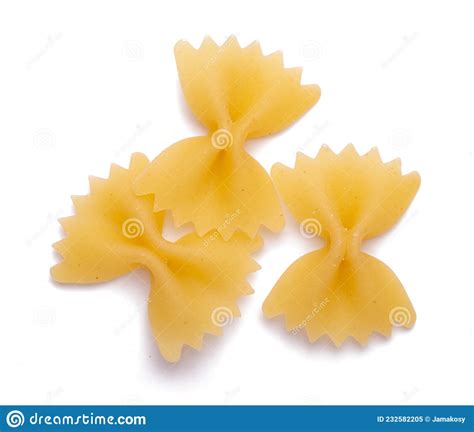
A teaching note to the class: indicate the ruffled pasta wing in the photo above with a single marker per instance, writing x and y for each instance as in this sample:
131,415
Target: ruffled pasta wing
228,84
346,191
199,292
322,296
111,232
227,191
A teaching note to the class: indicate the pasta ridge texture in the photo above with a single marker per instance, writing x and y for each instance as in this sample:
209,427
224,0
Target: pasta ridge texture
340,291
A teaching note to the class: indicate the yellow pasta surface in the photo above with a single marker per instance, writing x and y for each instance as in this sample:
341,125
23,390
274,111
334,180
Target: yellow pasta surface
195,281
340,291
211,181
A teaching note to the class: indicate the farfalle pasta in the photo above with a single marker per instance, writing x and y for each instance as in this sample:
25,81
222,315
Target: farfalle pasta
194,283
212,182
340,291
238,94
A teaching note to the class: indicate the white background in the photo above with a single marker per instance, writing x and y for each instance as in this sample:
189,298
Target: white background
85,84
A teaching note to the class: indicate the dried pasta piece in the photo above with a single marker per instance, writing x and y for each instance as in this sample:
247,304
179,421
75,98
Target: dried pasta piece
339,290
238,94
195,281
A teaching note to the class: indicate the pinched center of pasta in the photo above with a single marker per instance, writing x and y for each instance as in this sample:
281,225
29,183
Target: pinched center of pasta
346,244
